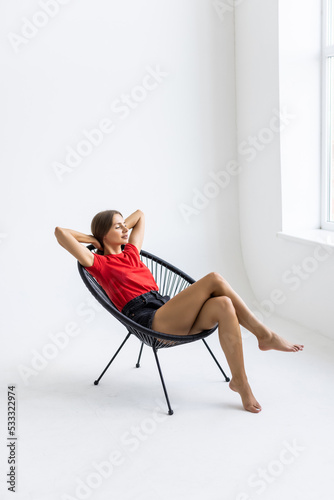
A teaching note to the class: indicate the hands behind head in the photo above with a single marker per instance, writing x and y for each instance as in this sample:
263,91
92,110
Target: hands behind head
96,243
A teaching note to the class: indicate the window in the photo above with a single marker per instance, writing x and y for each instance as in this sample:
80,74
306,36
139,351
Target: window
328,115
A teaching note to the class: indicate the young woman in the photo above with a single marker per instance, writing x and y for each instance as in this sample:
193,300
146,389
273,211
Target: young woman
132,288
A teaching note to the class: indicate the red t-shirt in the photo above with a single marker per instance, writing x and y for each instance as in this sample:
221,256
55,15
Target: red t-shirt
123,276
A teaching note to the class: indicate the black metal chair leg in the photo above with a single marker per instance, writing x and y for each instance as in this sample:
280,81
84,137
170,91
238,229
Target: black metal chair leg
141,350
170,411
220,368
112,359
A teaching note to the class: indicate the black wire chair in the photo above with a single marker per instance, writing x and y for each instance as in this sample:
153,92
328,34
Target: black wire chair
170,281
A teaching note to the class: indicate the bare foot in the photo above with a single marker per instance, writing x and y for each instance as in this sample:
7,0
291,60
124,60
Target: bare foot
274,341
248,400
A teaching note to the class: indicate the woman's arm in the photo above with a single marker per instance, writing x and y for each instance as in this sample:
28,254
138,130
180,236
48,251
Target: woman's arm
71,240
136,222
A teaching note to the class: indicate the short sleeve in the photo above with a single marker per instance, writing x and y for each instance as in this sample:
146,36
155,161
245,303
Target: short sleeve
95,269
131,249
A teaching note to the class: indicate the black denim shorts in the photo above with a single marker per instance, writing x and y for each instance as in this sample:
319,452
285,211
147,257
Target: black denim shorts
142,309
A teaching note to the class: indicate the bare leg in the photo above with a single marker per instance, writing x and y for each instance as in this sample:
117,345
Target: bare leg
179,314
209,301
195,311
267,339
221,310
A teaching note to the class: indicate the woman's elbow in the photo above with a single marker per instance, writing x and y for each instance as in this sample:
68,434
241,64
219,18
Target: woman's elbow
58,232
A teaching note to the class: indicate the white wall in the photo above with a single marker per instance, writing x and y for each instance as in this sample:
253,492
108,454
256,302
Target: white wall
60,80
276,45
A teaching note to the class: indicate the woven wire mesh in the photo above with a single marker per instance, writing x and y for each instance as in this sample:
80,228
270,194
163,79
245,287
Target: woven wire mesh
168,280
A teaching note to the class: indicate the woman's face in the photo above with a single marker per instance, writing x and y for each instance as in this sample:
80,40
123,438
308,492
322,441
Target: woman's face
118,233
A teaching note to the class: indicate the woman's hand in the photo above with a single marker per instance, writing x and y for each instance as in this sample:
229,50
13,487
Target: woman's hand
95,242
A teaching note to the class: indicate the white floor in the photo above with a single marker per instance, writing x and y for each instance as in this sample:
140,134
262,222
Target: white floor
116,441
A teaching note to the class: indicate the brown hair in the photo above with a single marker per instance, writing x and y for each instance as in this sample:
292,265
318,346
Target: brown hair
101,224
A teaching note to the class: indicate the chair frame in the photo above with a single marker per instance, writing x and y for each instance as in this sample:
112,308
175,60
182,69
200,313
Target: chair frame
172,280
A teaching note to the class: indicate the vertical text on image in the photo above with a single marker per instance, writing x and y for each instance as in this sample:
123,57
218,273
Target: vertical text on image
12,437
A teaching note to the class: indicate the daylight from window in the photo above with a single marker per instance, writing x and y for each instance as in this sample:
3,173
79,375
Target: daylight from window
329,52
331,138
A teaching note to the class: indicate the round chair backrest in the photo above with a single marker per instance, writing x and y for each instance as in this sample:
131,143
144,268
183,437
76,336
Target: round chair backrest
169,278
170,281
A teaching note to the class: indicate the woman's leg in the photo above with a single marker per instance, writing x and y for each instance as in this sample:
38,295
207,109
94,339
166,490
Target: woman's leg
267,339
179,314
201,306
221,310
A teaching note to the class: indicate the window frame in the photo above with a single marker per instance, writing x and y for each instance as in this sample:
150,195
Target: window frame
327,52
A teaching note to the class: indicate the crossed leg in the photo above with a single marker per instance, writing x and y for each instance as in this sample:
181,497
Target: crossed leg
209,301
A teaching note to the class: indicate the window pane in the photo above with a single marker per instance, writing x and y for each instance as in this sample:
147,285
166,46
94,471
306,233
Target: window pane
330,22
331,136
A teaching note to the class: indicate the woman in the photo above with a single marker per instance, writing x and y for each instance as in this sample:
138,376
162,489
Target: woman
131,287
